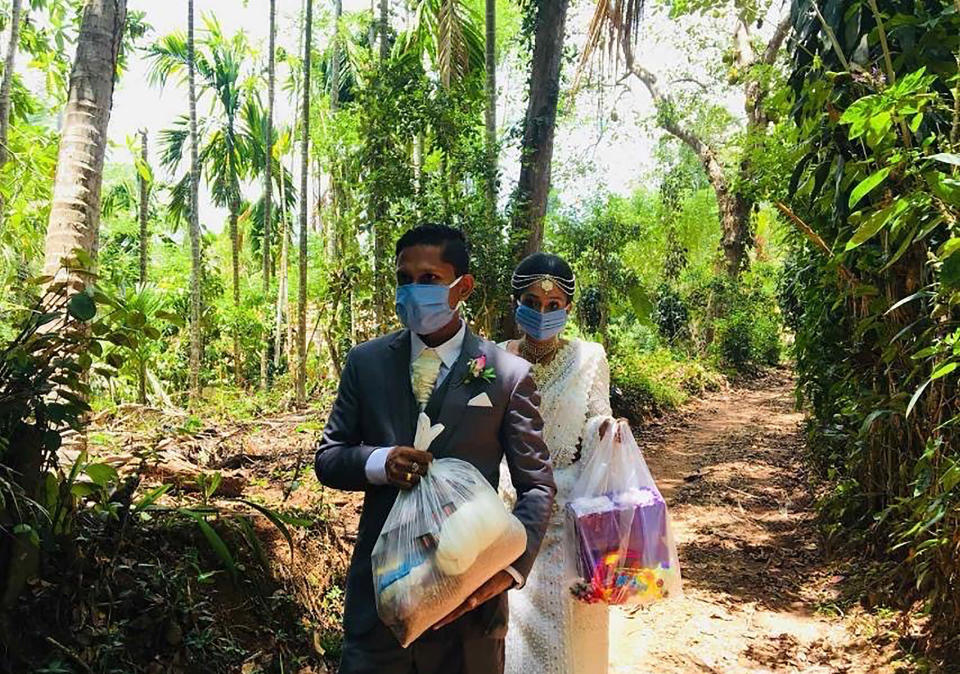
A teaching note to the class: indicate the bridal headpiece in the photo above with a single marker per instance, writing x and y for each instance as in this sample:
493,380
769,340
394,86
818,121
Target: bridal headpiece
521,282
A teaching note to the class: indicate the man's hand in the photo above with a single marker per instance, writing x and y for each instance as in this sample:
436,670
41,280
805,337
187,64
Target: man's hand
406,465
605,426
494,587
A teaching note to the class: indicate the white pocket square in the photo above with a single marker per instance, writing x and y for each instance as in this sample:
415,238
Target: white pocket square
480,400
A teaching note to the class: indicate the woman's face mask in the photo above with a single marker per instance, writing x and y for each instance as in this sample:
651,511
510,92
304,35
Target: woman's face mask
541,326
425,307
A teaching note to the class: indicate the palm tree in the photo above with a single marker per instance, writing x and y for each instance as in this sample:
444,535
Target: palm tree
195,270
223,152
267,186
448,31
8,79
304,168
75,210
490,64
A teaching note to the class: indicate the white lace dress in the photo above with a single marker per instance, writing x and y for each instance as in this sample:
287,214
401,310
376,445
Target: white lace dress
549,632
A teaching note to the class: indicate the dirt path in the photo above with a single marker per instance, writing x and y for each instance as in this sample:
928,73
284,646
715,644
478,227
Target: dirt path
755,579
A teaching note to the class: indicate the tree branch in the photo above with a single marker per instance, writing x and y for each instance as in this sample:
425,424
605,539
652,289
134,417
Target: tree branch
776,41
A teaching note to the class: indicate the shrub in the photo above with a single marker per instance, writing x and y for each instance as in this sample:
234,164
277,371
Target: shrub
670,313
645,385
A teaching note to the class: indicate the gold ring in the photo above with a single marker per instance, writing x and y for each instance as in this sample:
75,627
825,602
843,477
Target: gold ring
409,477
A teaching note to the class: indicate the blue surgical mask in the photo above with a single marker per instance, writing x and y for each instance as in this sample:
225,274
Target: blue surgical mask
541,326
425,307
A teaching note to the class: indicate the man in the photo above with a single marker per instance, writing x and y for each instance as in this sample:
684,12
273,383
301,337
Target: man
366,446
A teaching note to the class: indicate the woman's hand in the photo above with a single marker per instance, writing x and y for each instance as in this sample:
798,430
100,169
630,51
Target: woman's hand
605,426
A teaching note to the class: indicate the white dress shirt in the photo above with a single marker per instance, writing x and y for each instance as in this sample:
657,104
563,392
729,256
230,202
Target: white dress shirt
449,352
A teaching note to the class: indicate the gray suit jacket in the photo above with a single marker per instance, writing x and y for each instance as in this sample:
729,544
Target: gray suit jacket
376,407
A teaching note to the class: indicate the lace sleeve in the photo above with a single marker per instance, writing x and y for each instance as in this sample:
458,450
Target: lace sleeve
598,401
598,398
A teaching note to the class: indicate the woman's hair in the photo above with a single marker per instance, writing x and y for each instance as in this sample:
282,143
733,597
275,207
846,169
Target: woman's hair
543,266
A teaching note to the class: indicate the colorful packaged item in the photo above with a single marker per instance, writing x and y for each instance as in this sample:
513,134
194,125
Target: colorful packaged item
617,527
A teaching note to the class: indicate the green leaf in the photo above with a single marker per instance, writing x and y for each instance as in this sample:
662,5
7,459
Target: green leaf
950,247
152,497
275,520
950,272
213,538
916,397
873,224
82,307
868,184
102,474
945,157
947,189
951,478
944,370
137,320
909,298
868,422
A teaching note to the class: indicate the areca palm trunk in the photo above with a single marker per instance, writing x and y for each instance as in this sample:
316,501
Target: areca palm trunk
194,217
144,207
304,170
75,211
8,79
384,23
490,61
235,262
282,280
144,196
268,187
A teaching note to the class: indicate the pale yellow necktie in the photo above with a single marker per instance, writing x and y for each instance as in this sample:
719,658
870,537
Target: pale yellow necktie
424,373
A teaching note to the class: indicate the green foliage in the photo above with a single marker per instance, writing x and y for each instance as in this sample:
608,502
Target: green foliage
44,394
877,320
649,384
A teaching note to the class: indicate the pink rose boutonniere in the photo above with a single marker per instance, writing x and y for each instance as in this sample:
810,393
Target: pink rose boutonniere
477,370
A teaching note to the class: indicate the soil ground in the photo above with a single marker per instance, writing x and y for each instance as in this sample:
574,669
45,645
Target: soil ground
759,595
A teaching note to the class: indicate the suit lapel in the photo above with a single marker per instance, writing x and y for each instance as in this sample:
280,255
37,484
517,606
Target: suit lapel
454,394
401,390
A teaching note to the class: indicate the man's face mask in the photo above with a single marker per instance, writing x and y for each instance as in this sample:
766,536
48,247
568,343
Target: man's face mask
425,307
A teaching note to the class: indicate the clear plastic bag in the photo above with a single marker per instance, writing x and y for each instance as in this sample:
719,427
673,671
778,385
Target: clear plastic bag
621,549
442,540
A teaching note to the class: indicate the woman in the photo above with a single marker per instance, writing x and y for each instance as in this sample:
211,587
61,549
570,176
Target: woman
550,632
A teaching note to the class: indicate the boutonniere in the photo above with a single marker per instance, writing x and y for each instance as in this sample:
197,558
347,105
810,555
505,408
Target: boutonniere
477,370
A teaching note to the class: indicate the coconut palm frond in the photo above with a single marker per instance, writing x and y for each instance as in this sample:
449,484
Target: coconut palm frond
613,31
449,32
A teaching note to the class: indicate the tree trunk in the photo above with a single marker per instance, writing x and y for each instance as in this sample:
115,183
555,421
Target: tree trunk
384,24
75,210
282,280
8,79
735,223
304,170
194,219
235,264
491,111
536,150
335,196
268,192
144,234
144,207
